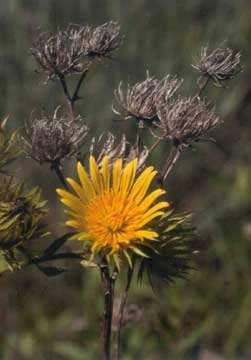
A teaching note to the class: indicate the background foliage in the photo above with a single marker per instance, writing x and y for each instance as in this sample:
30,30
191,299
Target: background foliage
208,315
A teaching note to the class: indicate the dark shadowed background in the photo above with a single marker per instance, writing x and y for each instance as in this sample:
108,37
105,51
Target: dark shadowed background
207,317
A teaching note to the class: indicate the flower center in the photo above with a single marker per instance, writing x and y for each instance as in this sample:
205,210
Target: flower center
112,218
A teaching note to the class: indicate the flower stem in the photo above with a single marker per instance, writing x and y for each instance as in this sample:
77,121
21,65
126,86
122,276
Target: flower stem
154,145
108,283
202,84
71,99
171,161
56,167
121,313
75,96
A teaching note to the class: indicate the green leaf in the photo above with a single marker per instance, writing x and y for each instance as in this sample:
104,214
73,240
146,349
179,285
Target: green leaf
57,244
51,271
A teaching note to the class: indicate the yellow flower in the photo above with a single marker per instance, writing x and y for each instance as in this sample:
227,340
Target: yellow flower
111,207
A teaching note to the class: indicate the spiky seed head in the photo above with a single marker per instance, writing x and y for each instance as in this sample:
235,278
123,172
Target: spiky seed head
187,120
141,99
61,53
220,64
69,51
102,40
52,138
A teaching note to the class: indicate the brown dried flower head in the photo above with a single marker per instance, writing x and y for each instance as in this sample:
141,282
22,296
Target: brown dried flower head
141,100
62,53
69,51
100,41
220,64
107,144
187,120
53,138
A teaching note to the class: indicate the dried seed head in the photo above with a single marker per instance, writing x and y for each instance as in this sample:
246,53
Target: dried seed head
100,41
166,89
53,138
69,51
220,64
187,120
61,53
141,99
107,144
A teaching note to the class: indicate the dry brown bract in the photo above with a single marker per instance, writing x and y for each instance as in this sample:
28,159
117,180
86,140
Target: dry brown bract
141,99
107,144
187,120
69,51
102,40
53,138
220,64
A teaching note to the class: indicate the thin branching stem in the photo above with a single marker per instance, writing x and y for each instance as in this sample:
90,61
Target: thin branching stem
65,87
202,84
75,96
139,134
154,145
71,99
171,161
68,96
56,167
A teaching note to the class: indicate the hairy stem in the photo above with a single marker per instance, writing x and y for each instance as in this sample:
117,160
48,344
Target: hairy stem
121,313
108,283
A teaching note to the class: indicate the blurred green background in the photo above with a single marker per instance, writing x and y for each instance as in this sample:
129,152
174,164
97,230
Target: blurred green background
207,317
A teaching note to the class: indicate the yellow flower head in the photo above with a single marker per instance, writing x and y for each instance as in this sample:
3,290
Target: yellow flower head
112,208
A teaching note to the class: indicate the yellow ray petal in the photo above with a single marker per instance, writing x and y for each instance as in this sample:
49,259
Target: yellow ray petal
75,215
150,218
69,199
147,234
74,224
116,174
145,184
105,172
72,205
78,190
140,181
159,206
128,176
147,202
81,236
85,181
96,177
